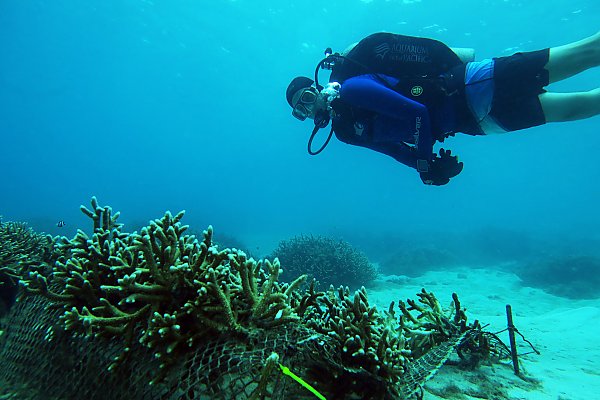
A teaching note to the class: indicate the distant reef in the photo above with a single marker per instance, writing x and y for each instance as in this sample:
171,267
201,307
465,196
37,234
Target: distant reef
572,276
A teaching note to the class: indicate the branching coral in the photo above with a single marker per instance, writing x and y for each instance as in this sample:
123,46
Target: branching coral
329,261
176,290
174,294
432,325
21,250
383,345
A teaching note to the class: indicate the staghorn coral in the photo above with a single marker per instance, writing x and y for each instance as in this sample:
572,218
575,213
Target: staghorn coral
21,249
432,325
176,290
177,295
382,354
329,261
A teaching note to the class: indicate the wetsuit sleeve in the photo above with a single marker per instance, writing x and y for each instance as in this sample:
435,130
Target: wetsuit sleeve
366,92
399,151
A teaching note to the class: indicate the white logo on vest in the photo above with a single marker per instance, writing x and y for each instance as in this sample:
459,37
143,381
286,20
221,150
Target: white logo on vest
382,50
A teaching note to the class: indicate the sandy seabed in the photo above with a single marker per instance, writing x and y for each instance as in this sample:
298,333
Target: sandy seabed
566,332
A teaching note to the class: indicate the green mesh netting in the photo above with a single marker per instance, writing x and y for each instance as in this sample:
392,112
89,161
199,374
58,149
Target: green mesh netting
40,360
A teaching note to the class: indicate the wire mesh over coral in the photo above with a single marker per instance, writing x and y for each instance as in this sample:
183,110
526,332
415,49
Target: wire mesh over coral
160,314
20,248
329,261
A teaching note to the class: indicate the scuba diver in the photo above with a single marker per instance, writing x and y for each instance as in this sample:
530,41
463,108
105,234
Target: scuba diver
399,94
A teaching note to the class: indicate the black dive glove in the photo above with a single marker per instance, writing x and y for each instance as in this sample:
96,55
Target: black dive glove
441,169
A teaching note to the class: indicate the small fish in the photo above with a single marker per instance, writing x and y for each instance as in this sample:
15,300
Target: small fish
61,223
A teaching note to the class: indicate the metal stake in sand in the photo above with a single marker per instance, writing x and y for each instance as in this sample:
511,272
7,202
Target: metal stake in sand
513,342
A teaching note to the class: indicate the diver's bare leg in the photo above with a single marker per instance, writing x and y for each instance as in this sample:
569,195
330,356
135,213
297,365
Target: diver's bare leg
559,107
573,58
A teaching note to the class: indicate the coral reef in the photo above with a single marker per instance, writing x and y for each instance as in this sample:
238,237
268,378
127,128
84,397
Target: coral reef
190,304
572,276
177,290
378,351
20,249
329,261
414,261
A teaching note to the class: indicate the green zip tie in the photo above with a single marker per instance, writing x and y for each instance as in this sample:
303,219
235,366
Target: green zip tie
286,371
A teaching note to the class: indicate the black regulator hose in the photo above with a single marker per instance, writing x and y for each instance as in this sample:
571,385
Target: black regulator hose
312,136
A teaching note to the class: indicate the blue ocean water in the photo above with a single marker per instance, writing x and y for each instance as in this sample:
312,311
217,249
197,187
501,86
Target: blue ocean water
170,105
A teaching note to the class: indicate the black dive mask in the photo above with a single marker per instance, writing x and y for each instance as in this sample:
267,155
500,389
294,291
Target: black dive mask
305,104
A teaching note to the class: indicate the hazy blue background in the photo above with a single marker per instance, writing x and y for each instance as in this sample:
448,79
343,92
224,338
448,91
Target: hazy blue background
170,105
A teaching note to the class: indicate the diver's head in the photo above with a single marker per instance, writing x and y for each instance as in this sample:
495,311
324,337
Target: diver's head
306,101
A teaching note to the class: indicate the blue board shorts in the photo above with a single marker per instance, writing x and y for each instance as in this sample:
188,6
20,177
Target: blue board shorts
502,93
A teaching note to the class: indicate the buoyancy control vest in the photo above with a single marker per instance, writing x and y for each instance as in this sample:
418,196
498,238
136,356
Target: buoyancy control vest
422,66
407,58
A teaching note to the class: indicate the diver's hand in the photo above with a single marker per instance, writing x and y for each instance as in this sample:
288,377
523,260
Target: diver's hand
448,164
442,168
434,177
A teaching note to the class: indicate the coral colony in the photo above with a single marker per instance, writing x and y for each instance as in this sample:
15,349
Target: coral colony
162,314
